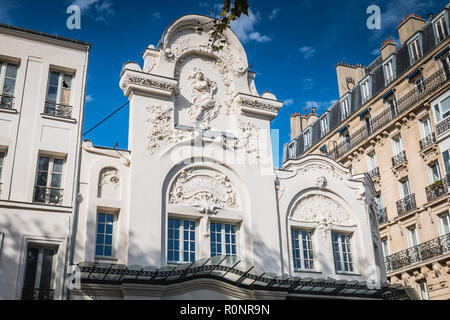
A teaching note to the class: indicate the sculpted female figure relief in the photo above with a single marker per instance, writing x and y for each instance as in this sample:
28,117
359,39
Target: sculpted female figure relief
204,107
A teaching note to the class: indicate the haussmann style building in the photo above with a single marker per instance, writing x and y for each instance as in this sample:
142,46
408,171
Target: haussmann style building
392,122
193,209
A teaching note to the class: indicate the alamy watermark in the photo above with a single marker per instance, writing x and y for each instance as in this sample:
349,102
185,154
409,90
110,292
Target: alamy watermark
374,20
73,22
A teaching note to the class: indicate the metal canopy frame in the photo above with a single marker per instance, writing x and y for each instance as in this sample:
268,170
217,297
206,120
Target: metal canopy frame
239,273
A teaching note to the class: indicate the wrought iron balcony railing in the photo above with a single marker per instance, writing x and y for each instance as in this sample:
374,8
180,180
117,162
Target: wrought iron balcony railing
58,110
427,141
443,126
437,189
407,204
419,253
374,173
382,216
48,195
6,101
37,294
389,114
399,158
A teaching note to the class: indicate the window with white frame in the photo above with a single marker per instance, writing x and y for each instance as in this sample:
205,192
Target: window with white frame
442,109
420,84
307,137
379,202
181,241
302,250
8,75
397,145
441,28
423,290
389,71
434,172
412,237
371,161
446,158
404,188
415,50
425,127
223,239
39,278
345,109
391,104
324,125
59,94
48,188
365,90
342,251
291,150
386,251
444,224
104,246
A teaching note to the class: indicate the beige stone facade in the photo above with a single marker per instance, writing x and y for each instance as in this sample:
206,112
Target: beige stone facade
403,145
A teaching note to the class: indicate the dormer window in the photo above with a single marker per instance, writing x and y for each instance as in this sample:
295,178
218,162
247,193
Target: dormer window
307,136
441,28
345,109
324,125
389,71
415,50
365,91
291,150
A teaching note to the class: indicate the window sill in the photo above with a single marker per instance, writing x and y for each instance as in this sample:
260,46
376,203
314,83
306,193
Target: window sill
12,111
106,260
348,273
47,116
308,271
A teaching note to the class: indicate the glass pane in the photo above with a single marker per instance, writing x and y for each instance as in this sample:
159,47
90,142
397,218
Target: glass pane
30,269
54,79
42,179
100,228
67,82
110,218
52,93
445,107
9,85
46,272
11,71
100,239
65,96
109,229
58,165
56,180
101,217
43,163
108,240
108,251
99,251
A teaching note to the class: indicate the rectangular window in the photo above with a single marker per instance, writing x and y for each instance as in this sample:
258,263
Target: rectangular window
342,252
385,243
38,282
404,187
324,125
391,104
347,140
441,28
8,75
389,72
425,128
445,224
223,239
371,161
413,238
345,109
365,91
420,85
397,145
105,232
58,95
423,290
446,157
308,141
442,109
181,241
434,172
416,53
302,250
49,181
368,123
291,150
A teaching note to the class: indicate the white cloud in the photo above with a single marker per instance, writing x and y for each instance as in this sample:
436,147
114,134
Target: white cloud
307,51
307,83
274,13
156,15
288,102
89,98
100,10
319,105
244,27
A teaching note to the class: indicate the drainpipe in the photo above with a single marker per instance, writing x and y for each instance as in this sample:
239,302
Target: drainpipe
76,193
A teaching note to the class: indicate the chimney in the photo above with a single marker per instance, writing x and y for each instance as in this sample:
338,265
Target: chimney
312,117
410,25
348,76
296,125
388,48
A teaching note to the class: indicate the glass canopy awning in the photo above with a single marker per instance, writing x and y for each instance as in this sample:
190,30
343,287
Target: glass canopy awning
237,272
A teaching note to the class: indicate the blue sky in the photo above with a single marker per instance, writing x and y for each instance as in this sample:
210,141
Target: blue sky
292,45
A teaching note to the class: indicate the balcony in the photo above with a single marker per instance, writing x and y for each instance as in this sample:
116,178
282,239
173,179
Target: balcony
387,115
419,253
382,216
427,141
37,294
47,195
437,189
406,204
443,126
399,158
374,173
58,110
6,101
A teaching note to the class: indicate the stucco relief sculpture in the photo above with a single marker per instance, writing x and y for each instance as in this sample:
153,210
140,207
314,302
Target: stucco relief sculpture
323,211
248,141
108,183
204,107
207,190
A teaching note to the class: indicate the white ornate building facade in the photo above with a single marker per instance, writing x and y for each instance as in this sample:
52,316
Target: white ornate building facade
194,208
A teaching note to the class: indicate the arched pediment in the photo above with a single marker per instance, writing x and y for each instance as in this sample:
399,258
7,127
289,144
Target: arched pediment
205,189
